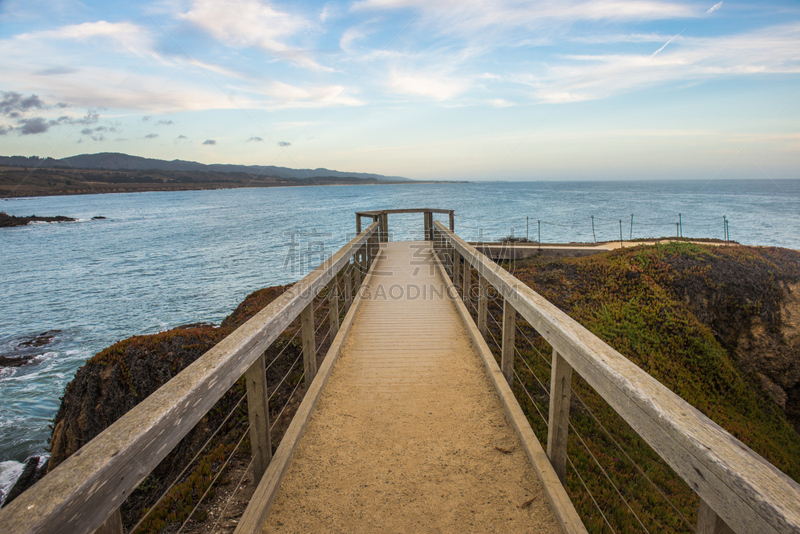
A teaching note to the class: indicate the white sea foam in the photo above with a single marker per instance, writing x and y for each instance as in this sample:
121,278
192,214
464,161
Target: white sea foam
9,473
7,372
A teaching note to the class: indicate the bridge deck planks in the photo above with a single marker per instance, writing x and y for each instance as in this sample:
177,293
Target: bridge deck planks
404,436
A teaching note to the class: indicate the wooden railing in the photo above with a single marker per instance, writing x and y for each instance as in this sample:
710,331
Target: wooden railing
738,489
382,218
84,493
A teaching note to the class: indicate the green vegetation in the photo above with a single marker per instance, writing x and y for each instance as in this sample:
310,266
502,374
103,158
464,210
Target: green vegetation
678,311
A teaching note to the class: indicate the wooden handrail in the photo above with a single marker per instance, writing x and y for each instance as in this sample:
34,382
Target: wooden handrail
742,488
90,485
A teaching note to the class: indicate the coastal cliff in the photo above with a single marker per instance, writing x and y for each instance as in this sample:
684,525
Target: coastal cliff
119,377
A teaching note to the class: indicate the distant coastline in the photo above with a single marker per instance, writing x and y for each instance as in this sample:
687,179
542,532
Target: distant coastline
18,182
121,173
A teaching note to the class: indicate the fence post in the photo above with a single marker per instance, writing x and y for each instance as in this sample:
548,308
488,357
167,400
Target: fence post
112,525
333,305
456,268
309,343
384,227
348,286
509,333
708,522
467,280
483,303
357,261
558,426
258,413
452,221
426,224
358,224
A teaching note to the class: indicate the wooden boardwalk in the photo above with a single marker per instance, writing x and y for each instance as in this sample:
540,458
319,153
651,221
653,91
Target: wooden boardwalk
409,434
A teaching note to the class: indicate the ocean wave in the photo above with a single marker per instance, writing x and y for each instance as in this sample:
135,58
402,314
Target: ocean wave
9,473
7,372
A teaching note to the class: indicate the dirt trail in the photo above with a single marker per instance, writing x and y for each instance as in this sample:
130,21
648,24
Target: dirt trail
409,435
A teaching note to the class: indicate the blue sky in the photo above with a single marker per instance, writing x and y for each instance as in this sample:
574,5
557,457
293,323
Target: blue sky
428,89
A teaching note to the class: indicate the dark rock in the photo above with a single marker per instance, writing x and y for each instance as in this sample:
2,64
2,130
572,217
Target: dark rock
17,361
30,475
42,339
98,218
7,221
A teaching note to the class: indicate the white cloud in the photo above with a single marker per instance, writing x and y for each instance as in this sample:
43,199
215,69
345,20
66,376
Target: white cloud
284,95
427,84
714,8
473,14
351,35
125,35
250,23
588,77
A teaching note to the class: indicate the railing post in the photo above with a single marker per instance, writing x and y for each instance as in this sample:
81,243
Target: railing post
348,286
483,304
112,525
384,227
452,222
708,522
333,305
558,427
309,343
456,268
509,333
258,413
426,217
358,224
467,280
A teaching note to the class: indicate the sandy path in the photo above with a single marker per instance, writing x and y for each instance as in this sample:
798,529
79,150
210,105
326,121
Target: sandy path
406,435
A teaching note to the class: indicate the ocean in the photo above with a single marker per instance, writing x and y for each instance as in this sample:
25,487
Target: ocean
160,260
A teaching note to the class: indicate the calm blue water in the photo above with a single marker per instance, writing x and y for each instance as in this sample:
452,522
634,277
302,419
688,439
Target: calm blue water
165,259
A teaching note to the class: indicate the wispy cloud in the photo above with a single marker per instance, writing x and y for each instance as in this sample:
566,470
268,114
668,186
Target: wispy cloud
589,77
251,23
714,8
427,84
665,45
210,142
254,139
284,144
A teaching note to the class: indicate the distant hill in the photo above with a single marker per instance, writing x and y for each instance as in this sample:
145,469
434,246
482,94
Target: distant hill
117,161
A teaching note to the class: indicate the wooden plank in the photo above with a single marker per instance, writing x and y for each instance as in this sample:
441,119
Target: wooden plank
309,344
333,305
82,492
746,491
260,504
258,414
560,502
558,426
112,525
483,304
404,210
509,333
708,522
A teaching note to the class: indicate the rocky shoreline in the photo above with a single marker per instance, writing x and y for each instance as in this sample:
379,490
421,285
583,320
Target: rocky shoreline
10,221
